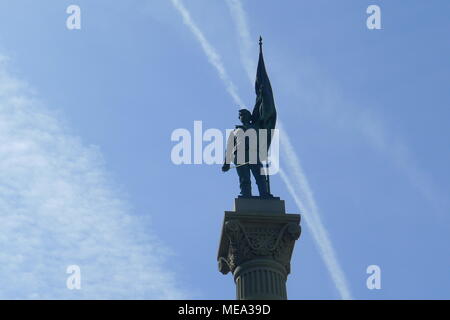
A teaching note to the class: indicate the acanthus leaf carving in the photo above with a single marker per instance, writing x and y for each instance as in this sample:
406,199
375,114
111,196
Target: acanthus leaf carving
258,241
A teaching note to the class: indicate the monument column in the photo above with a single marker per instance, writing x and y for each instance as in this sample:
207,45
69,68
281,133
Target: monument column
256,245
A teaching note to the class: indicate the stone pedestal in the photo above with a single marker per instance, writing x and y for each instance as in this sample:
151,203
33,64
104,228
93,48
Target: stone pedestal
256,245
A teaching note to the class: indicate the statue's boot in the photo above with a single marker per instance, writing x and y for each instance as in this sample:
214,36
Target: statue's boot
246,190
244,180
262,188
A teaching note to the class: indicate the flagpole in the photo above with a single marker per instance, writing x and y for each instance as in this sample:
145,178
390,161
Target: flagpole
267,177
267,162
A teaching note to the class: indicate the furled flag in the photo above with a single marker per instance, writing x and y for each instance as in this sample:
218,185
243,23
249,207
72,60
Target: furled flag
264,113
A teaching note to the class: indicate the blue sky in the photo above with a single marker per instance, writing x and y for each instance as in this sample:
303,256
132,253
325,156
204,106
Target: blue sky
86,118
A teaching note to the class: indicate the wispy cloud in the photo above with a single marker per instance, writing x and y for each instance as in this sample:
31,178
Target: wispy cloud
324,98
300,189
395,148
58,207
212,55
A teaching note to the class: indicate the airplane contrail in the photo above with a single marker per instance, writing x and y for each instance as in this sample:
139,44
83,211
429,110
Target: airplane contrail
314,222
306,203
211,53
304,199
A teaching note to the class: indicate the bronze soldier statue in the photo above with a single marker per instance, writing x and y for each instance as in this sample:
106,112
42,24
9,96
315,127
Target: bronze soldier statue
243,147
250,161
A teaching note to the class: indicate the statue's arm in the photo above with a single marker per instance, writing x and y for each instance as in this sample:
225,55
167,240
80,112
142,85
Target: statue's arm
229,152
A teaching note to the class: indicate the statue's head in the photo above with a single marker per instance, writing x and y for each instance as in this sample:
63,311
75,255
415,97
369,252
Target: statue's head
245,116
